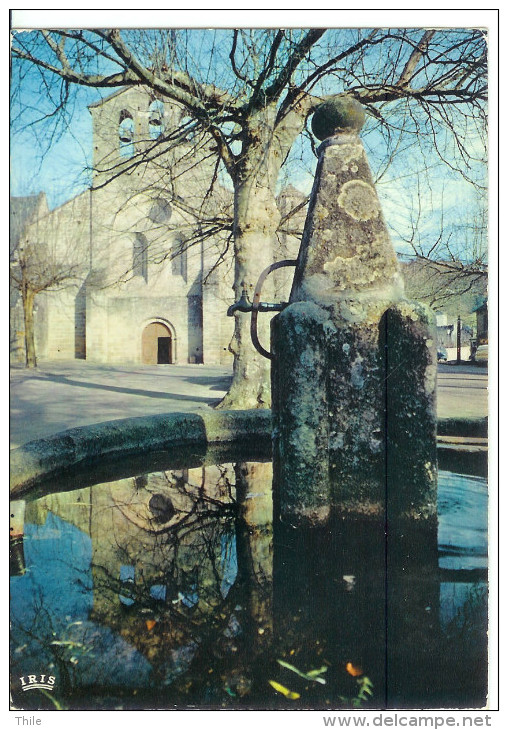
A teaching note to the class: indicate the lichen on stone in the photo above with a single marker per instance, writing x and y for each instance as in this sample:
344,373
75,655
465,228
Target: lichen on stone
359,200
347,152
430,377
336,440
357,374
320,213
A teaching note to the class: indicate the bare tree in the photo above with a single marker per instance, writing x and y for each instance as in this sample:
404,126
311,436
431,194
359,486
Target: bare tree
446,248
253,90
42,260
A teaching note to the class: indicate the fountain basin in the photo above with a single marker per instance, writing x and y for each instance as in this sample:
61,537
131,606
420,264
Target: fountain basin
175,588
165,588
38,460
111,441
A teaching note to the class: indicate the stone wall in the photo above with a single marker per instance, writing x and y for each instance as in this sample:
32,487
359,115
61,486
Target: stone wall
133,243
135,240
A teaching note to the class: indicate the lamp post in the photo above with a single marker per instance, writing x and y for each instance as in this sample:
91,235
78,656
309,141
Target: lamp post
458,338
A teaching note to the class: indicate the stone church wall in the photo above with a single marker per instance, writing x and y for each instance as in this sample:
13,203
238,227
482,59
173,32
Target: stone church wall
132,241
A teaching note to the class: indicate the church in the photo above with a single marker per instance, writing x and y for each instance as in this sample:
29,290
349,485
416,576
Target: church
148,248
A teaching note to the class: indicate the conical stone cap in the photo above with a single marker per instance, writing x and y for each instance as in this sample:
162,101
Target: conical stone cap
346,250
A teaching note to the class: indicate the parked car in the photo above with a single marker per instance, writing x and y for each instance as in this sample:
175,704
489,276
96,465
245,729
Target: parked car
482,354
442,355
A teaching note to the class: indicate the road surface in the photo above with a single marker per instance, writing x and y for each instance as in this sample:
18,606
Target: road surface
57,396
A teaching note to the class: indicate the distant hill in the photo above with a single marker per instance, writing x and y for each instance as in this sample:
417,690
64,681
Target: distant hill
443,289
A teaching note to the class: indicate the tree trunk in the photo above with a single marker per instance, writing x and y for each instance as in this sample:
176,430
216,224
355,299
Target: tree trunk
28,296
256,219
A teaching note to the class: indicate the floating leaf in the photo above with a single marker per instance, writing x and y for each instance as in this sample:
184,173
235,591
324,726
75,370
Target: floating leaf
353,671
365,688
150,623
284,690
313,675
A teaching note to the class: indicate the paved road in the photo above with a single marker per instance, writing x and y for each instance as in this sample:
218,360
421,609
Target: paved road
57,396
462,391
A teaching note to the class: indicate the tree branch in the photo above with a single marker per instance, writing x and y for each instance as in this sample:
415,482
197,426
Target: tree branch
301,48
268,67
415,58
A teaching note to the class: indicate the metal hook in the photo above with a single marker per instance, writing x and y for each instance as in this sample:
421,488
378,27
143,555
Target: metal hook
244,305
258,306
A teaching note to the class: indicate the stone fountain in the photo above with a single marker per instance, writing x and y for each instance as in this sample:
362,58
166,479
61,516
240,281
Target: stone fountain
358,590
353,361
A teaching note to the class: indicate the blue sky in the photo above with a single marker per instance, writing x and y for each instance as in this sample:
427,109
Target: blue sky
418,188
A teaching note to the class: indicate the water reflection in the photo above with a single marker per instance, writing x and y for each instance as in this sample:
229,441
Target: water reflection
174,588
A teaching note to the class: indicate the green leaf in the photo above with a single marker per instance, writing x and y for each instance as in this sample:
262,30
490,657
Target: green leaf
316,672
313,674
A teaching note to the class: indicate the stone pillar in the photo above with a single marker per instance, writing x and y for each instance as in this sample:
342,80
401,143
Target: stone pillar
354,367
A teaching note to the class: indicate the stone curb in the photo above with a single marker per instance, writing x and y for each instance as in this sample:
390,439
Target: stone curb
51,456
473,427
37,460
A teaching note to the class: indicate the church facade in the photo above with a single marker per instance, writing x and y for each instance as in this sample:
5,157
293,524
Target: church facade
149,246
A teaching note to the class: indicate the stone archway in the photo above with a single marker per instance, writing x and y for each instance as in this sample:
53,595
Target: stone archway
157,346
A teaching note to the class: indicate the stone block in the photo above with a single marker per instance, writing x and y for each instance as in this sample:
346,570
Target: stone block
354,362
354,425
300,412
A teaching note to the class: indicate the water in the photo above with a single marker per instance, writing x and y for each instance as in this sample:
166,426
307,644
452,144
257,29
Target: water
174,589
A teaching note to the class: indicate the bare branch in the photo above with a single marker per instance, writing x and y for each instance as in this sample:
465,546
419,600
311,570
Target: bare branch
415,58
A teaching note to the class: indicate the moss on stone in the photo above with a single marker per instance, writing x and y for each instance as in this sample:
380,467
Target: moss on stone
38,460
341,114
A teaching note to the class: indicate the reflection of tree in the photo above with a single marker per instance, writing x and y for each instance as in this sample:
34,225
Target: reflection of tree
196,556
172,532
254,535
249,630
41,642
197,544
200,625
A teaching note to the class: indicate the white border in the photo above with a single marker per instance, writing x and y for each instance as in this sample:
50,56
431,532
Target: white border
458,15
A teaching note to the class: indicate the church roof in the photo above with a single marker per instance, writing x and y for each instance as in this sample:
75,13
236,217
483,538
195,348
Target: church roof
109,97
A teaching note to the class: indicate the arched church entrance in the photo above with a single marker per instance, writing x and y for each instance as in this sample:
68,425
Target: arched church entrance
157,345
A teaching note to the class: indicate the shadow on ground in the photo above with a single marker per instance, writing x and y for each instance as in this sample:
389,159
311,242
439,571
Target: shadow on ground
129,391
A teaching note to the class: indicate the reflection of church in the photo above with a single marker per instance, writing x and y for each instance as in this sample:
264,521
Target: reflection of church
150,245
141,574
150,534
163,553
176,578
